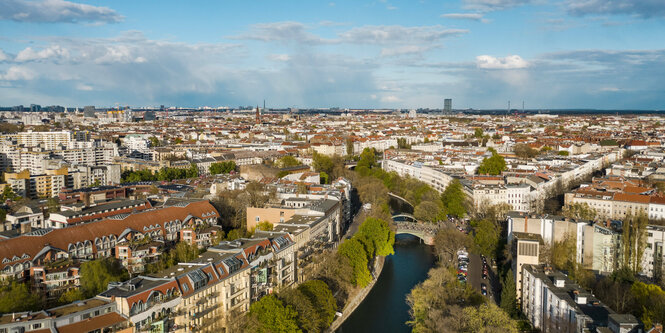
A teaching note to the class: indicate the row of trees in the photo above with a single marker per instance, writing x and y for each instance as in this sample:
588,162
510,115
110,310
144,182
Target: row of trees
374,238
442,304
163,174
222,167
310,307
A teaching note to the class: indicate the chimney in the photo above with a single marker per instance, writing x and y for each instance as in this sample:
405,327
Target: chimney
580,299
26,228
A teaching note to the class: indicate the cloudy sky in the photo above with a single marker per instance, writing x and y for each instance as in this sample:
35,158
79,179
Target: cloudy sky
607,54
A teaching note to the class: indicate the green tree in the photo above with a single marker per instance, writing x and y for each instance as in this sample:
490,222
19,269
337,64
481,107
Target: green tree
314,303
154,142
454,199
8,194
16,297
273,317
378,233
96,275
487,318
53,205
509,295
265,226
563,153
485,237
324,178
322,163
428,211
478,133
70,296
367,158
354,251
492,165
222,167
287,161
184,252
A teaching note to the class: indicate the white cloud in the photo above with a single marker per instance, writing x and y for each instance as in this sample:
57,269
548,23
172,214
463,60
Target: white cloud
18,73
393,34
403,50
84,87
51,52
466,16
3,56
288,31
640,8
493,5
279,57
508,62
390,99
56,11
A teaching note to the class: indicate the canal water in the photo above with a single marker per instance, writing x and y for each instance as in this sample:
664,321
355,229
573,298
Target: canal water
385,309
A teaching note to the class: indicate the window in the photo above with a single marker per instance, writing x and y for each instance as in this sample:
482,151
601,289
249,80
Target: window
258,219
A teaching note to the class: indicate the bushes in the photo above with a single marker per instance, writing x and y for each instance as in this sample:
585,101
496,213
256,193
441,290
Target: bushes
374,238
310,307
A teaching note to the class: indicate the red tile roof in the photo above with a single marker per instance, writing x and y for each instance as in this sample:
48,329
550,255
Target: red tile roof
61,238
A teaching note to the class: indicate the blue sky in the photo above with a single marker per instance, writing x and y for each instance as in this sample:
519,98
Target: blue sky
607,54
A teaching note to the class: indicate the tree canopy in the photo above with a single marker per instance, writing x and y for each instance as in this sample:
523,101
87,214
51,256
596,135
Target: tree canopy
222,167
454,199
96,275
16,297
287,161
272,316
492,165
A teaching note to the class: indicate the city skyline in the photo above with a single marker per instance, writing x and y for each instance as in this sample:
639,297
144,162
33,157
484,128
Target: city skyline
596,54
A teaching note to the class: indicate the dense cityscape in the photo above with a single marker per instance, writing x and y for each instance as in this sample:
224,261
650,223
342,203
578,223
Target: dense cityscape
346,166
210,220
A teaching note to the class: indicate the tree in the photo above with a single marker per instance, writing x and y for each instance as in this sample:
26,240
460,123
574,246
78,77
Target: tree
53,205
478,133
184,252
265,226
96,275
509,295
322,163
367,158
287,161
354,251
492,166
448,241
272,316
154,142
487,318
70,296
563,153
486,237
8,194
454,199
523,150
378,233
314,303
324,178
428,211
222,167
579,211
16,297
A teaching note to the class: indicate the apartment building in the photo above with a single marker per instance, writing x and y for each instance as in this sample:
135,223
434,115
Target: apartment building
553,303
90,315
99,239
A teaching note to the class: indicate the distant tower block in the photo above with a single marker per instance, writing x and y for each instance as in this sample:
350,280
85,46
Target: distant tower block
448,105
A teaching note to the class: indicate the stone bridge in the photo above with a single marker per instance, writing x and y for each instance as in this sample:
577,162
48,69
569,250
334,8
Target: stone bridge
424,231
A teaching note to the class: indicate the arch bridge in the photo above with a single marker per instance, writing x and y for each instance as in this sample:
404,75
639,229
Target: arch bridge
426,232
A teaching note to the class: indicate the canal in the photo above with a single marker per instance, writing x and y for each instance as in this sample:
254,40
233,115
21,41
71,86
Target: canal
385,309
